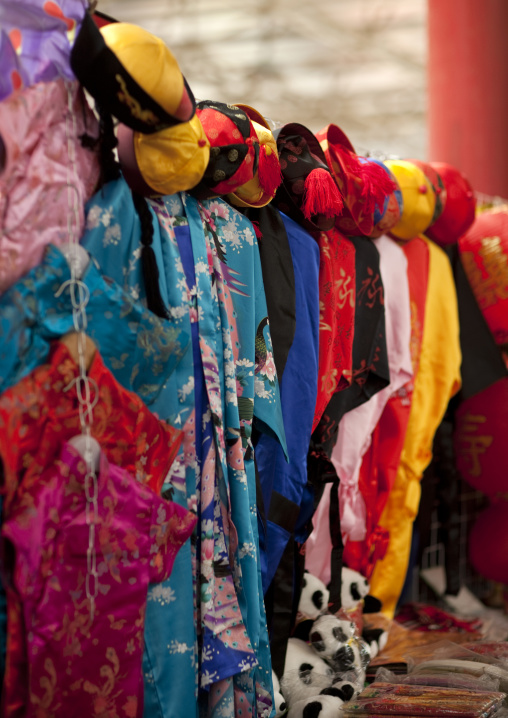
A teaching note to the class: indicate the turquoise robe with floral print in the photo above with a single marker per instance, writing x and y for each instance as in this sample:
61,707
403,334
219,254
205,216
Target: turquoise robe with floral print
112,236
227,302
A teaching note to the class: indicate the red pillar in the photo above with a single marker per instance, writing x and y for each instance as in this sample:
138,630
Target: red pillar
468,89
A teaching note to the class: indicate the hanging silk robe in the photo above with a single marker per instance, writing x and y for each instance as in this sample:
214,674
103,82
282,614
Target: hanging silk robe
227,304
238,278
138,348
356,426
283,483
337,287
112,236
370,376
381,461
437,380
37,134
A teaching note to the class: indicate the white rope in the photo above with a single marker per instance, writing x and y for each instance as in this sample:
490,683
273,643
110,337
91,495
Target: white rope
87,391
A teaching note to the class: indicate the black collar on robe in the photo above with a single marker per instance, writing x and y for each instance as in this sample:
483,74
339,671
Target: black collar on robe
482,362
278,279
370,374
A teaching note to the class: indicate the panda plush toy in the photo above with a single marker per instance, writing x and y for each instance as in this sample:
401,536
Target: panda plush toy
354,588
305,673
332,666
326,704
279,702
354,597
320,677
337,641
313,598
321,706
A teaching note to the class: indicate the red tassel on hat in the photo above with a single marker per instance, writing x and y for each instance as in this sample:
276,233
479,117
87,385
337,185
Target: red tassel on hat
376,185
269,171
321,195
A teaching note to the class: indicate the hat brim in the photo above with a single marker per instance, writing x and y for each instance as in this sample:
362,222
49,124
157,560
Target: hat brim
253,114
235,200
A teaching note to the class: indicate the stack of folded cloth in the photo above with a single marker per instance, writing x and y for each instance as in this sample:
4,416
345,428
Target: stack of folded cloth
494,649
402,700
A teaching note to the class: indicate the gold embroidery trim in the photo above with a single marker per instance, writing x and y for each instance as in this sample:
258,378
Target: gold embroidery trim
135,108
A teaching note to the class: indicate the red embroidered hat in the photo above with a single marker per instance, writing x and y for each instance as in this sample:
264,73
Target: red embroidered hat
362,185
459,211
308,193
484,254
261,189
234,148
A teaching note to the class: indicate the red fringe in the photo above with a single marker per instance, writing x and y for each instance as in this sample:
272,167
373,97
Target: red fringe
321,195
376,185
269,171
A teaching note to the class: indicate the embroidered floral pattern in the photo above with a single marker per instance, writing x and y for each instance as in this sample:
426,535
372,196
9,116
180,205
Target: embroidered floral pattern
35,417
71,657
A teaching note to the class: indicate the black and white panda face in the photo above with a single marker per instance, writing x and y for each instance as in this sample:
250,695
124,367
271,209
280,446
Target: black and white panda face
314,597
337,642
354,587
329,637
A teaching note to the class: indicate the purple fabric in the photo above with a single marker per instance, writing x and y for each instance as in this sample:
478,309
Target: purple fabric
73,660
36,41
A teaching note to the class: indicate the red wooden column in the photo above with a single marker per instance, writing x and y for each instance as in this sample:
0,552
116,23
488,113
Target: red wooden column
468,89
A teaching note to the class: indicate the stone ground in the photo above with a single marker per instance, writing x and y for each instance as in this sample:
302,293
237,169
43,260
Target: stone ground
357,63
